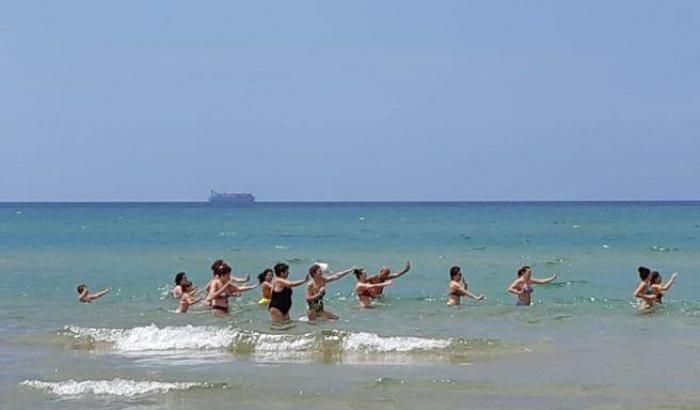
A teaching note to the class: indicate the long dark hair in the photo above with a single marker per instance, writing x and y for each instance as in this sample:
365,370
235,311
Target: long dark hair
262,275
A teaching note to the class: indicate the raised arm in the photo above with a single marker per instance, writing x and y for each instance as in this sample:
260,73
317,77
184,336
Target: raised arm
402,272
544,281
337,275
668,284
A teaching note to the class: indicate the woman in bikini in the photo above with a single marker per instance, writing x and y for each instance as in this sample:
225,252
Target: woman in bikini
658,288
281,297
522,287
317,290
364,289
222,287
458,288
265,279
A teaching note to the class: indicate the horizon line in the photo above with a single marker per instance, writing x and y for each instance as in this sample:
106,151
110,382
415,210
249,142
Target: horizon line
473,201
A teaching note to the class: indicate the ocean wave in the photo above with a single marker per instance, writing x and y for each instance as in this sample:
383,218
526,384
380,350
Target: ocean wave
328,345
114,387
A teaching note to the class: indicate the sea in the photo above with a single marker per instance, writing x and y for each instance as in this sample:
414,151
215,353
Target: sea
583,344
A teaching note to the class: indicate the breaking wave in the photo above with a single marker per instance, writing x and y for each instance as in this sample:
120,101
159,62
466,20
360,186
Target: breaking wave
114,387
326,345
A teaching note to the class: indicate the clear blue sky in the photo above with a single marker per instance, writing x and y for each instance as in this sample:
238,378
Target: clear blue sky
355,100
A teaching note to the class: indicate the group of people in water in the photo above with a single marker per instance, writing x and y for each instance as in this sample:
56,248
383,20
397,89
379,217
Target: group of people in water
276,288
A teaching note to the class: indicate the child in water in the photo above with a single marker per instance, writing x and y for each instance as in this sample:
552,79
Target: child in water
87,297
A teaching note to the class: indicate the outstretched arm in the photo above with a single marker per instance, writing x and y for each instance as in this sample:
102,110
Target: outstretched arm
240,280
668,284
544,281
337,275
239,289
377,285
465,292
292,283
99,294
402,272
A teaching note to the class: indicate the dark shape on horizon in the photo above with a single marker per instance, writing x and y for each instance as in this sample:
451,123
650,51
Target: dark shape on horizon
231,197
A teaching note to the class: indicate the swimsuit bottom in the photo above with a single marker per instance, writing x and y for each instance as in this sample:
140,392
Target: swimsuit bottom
264,301
316,306
222,309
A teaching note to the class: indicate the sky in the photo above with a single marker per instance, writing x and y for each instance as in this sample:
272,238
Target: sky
349,101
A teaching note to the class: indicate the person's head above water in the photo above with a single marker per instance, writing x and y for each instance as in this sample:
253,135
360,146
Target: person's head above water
360,274
525,272
455,272
644,273
265,276
315,270
384,272
282,270
181,278
81,288
655,278
220,268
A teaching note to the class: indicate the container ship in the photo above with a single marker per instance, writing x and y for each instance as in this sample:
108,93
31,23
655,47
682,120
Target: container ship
231,197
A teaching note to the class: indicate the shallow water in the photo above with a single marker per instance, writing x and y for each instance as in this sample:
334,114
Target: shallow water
582,345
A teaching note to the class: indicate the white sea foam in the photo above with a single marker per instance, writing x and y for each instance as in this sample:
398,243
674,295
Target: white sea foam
370,342
114,387
206,338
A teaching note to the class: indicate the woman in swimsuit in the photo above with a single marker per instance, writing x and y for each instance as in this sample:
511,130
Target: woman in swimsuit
458,287
643,291
317,290
265,279
385,275
281,297
222,287
236,280
187,298
364,289
658,288
522,287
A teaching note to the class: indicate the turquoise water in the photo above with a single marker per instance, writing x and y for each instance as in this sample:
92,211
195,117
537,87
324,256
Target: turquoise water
583,340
